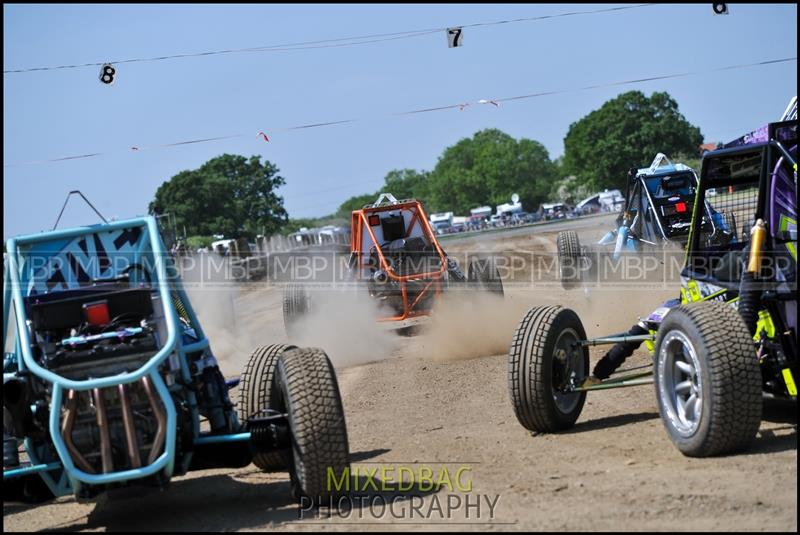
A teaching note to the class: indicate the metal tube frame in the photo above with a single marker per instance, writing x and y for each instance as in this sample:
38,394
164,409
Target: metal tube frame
71,477
617,339
360,220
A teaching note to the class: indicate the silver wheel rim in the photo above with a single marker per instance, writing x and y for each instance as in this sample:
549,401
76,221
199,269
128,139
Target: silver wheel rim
566,402
680,384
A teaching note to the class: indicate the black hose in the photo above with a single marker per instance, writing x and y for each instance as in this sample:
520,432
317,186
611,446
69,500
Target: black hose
749,299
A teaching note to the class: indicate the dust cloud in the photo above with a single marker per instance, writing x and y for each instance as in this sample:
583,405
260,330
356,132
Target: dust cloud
464,324
468,324
213,295
343,323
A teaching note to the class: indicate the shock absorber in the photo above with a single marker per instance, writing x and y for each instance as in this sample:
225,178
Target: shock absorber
622,235
749,287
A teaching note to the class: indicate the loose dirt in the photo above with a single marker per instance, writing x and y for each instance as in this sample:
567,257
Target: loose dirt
441,399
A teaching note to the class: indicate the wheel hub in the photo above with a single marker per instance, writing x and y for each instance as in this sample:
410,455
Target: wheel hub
680,383
567,365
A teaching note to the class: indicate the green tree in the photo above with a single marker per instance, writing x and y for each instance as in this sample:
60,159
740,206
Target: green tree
355,203
627,131
402,183
198,242
293,225
406,183
692,160
230,195
487,169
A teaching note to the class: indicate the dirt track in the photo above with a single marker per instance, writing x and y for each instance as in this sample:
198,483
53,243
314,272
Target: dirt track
424,403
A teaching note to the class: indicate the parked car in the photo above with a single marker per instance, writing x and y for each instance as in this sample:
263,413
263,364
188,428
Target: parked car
554,211
534,217
520,218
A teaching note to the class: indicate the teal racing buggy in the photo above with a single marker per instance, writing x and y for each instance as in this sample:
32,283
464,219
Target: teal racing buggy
112,383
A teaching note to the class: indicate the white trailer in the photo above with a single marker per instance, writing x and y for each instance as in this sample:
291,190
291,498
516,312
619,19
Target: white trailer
442,222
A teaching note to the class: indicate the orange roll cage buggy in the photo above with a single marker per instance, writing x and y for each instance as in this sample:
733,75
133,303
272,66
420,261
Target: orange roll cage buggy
360,221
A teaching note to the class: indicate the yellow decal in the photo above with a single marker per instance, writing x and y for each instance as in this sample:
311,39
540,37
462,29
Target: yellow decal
789,380
691,293
764,324
649,344
785,224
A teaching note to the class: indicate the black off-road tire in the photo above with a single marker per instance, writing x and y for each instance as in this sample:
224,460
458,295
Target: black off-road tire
411,330
569,259
530,368
256,394
732,385
296,304
29,489
310,395
483,275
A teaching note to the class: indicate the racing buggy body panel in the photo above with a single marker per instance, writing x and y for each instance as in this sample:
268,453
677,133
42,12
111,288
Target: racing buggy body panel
51,280
395,251
732,337
112,381
755,178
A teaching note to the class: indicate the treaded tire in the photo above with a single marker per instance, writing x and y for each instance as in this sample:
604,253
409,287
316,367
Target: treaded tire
530,368
731,379
569,259
483,274
411,330
295,305
256,393
30,489
311,397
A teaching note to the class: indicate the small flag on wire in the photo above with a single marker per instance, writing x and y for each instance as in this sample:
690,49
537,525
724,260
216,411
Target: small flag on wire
486,101
454,37
263,135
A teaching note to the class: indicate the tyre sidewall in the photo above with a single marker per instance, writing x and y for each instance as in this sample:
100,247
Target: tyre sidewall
280,389
249,402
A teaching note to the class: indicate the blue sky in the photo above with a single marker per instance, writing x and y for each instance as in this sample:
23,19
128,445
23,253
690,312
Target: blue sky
67,112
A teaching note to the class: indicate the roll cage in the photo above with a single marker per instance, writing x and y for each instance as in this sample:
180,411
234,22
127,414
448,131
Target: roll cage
642,199
374,228
757,165
760,178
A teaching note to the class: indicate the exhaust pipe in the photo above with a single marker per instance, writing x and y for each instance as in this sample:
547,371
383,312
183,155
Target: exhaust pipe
130,430
102,426
161,419
66,432
380,277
